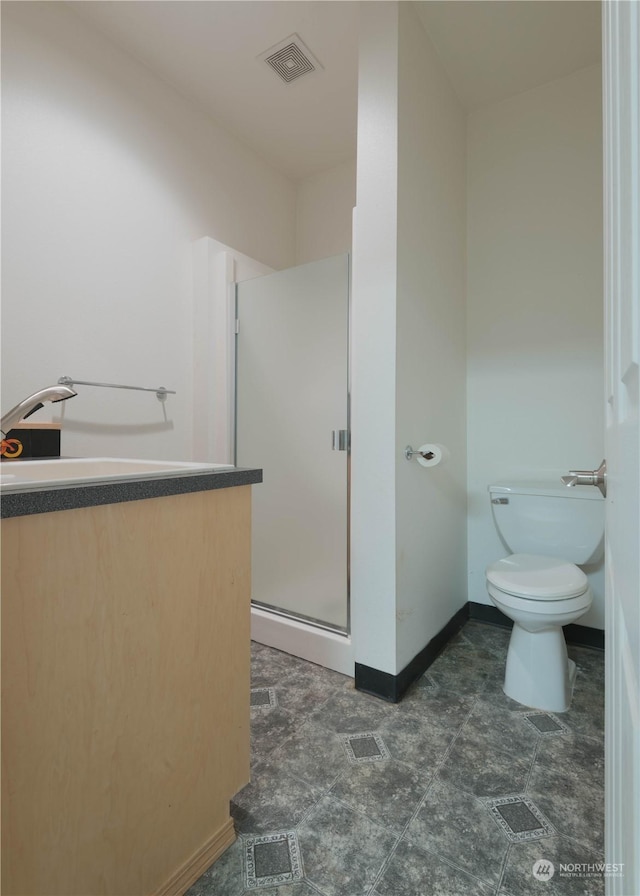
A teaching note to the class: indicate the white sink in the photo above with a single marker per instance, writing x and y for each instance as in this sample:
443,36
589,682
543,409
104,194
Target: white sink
18,476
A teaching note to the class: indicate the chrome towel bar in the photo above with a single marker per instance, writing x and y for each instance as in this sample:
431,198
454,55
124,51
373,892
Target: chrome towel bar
161,392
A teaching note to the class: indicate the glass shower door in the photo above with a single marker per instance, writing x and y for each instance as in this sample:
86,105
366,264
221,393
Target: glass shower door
291,395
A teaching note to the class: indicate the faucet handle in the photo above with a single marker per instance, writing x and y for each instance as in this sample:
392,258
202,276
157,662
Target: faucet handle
588,477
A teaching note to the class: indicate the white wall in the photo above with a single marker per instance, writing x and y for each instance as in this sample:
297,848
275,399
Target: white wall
324,211
431,504
408,524
373,358
109,176
535,375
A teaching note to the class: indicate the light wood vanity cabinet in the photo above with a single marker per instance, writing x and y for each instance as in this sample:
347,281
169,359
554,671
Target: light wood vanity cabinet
125,692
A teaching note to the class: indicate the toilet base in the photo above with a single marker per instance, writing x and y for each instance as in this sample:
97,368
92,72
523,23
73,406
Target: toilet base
538,672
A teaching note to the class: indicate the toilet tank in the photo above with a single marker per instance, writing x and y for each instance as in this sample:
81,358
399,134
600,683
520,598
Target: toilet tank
542,517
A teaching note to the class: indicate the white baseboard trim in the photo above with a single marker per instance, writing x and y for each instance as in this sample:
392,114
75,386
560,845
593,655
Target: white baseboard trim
329,649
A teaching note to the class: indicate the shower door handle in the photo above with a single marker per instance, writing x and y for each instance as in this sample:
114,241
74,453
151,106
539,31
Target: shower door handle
340,439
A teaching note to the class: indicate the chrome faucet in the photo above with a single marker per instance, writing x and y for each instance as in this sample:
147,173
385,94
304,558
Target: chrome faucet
33,403
588,477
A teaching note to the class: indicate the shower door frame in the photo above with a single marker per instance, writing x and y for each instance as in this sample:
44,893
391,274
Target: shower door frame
296,633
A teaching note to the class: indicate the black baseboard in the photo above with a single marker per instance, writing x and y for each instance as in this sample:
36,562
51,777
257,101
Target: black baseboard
393,687
584,636
488,613
580,635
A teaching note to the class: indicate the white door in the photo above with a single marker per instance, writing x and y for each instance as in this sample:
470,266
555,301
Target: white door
621,45
291,394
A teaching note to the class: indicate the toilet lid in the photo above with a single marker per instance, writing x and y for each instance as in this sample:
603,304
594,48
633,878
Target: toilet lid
533,576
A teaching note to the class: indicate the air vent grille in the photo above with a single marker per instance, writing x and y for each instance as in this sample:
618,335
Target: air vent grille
291,59
290,63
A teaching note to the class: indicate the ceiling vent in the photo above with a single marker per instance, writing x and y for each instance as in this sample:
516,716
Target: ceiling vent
291,59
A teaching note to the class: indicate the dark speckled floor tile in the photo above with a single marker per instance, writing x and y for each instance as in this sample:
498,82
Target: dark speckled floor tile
273,801
343,851
387,792
330,678
312,754
493,692
585,720
454,748
588,660
460,655
270,727
416,872
586,713
463,669
416,740
306,691
352,712
457,827
268,667
567,783
471,767
574,755
501,729
519,880
445,709
491,638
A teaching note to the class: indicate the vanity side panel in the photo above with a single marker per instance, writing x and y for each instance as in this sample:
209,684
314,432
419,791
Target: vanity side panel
125,691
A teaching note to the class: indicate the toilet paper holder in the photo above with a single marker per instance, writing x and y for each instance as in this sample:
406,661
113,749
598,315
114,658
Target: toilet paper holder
409,453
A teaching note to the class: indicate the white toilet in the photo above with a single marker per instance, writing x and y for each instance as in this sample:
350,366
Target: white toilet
549,528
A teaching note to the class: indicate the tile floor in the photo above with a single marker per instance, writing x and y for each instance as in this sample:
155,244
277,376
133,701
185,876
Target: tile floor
455,791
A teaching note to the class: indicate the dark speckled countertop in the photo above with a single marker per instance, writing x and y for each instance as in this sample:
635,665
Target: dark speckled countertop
49,500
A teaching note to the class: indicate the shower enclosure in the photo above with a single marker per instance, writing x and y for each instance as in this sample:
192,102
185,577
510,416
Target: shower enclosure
292,420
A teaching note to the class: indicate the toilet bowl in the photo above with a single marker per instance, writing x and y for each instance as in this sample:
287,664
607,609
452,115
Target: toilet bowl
540,594
541,587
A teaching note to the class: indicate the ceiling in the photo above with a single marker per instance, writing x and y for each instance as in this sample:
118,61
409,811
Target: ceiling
209,51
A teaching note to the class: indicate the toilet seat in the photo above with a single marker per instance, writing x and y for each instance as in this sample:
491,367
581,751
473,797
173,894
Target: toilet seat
535,577
538,608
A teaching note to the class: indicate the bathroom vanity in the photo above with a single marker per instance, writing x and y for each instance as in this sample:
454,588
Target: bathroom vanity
125,679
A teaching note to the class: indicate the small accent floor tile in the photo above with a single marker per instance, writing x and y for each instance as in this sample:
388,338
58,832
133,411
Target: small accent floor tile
263,697
272,860
519,819
365,747
546,723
